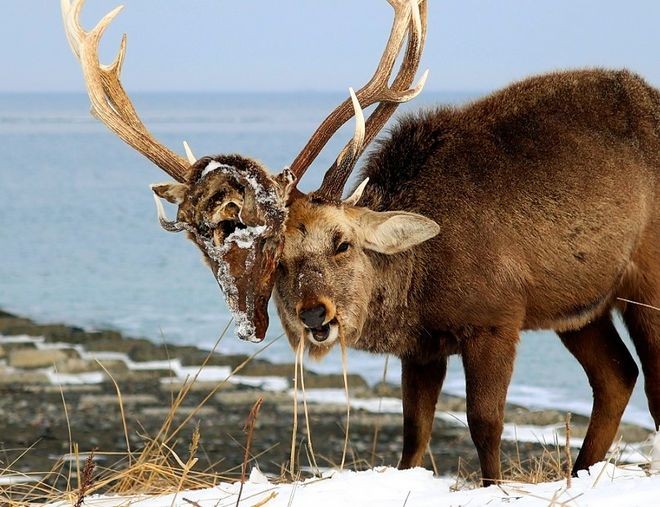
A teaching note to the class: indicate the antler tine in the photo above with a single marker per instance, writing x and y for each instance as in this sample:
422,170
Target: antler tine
407,20
336,177
351,152
110,103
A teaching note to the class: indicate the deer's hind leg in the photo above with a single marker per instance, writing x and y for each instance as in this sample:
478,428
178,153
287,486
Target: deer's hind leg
612,373
642,319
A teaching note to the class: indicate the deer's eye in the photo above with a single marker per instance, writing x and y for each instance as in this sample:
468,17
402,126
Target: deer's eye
342,247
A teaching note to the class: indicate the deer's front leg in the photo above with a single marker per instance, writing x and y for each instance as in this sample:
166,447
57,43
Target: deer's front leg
420,386
488,358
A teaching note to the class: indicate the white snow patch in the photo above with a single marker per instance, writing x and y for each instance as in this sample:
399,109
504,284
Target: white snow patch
266,383
11,479
244,238
75,379
73,458
213,165
604,486
21,338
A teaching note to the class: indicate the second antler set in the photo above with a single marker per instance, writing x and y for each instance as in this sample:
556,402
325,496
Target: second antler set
232,207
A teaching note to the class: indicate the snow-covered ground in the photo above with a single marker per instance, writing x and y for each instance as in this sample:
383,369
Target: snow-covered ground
605,485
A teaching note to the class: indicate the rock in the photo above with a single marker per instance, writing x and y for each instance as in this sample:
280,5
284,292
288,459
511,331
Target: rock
105,400
22,378
632,433
316,409
173,384
164,412
10,347
78,365
149,376
59,389
250,396
35,358
63,333
13,326
192,356
138,349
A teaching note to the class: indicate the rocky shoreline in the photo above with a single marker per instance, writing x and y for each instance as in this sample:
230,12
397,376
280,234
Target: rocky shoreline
45,368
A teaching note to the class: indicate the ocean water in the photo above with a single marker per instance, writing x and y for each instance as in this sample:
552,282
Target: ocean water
79,240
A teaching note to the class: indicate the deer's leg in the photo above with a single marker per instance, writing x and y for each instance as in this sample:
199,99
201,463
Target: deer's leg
488,358
420,386
643,324
612,374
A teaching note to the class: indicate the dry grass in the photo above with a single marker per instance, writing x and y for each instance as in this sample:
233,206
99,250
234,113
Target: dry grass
154,469
552,464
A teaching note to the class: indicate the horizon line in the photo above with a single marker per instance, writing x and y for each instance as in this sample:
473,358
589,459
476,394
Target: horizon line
232,92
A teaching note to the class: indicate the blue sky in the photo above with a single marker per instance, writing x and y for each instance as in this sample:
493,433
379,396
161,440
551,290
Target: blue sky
328,45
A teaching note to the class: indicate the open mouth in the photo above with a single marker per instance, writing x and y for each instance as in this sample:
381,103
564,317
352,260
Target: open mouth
327,333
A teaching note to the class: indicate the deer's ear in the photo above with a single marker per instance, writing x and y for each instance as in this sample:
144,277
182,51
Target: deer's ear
390,232
171,191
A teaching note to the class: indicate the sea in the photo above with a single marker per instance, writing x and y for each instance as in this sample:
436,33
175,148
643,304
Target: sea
80,242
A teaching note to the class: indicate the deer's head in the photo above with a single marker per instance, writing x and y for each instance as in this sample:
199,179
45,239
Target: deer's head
249,223
235,211
326,273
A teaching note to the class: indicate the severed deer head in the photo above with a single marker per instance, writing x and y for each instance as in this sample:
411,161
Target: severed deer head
231,206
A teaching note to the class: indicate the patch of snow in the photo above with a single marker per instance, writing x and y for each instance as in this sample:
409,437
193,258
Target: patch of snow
266,383
206,374
75,379
73,458
21,338
245,328
244,238
11,479
603,486
212,166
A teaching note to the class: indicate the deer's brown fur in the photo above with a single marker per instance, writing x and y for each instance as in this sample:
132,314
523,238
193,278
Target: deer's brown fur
546,195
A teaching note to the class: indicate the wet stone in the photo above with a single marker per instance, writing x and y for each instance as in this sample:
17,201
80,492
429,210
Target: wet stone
23,378
35,358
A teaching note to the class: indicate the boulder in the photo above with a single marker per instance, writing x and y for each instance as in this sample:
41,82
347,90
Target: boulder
35,358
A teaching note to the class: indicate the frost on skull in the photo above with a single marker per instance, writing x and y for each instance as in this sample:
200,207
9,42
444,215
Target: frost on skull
234,210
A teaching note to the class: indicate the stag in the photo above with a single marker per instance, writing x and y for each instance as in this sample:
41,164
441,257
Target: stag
533,208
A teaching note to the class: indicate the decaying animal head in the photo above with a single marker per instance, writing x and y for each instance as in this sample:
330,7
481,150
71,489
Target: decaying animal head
231,206
234,210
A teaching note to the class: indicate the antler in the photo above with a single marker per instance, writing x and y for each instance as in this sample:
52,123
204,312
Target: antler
110,104
409,18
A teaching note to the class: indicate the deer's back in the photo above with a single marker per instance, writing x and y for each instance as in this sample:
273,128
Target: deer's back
543,191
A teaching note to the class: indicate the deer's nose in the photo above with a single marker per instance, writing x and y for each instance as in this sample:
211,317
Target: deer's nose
313,317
